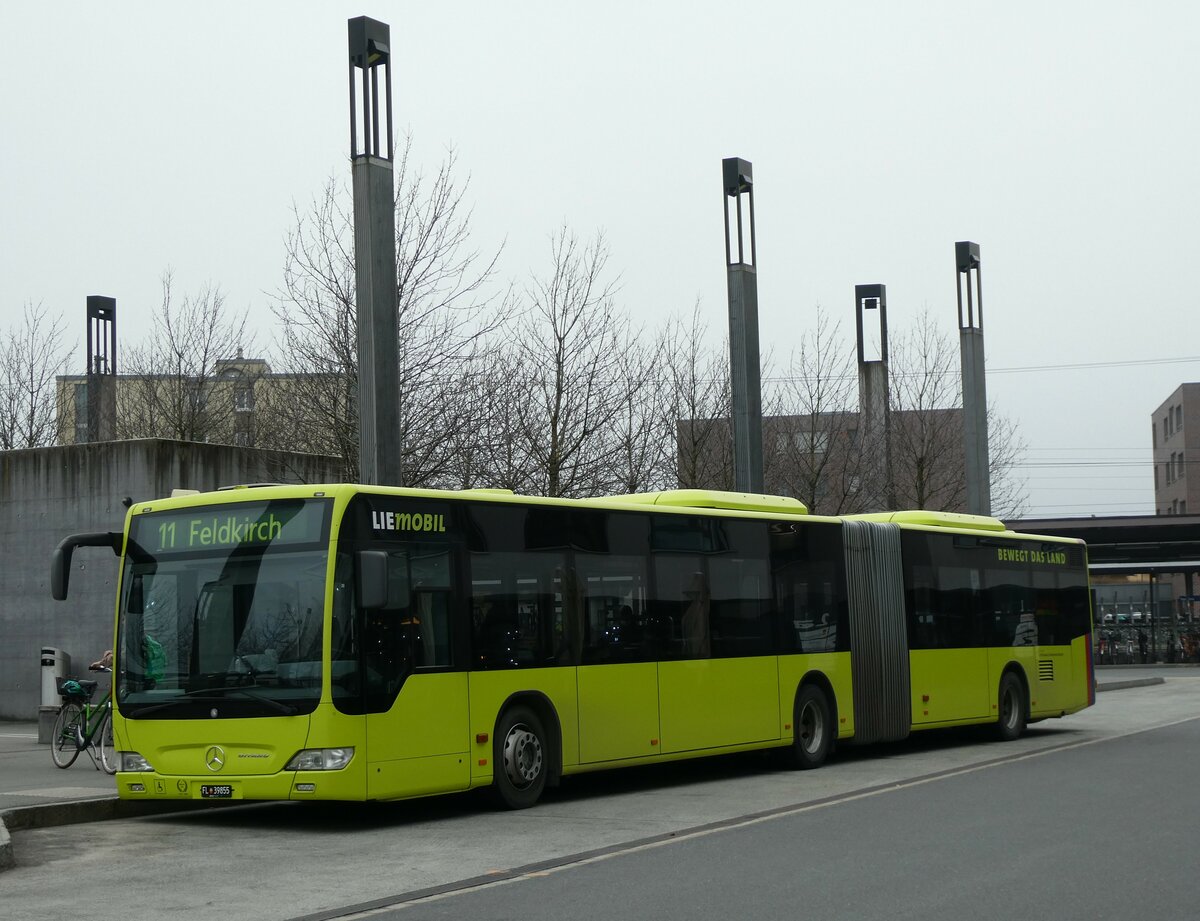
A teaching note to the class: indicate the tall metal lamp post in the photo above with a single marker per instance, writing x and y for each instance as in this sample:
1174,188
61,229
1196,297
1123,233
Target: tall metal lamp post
873,395
375,254
746,374
975,426
102,367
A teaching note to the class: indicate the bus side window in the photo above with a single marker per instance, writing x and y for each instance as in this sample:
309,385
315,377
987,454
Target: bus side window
426,620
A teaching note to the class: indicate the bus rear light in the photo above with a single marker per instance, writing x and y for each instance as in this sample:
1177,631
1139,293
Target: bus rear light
320,759
481,737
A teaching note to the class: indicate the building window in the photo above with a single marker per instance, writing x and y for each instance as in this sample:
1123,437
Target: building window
243,399
812,442
81,413
1178,417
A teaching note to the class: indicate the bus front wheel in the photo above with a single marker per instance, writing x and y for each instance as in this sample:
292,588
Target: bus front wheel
1011,704
813,728
520,758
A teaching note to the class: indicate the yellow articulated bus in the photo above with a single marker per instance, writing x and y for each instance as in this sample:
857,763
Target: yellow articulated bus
372,643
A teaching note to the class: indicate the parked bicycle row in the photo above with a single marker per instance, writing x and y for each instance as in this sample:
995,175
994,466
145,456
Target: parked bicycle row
1134,645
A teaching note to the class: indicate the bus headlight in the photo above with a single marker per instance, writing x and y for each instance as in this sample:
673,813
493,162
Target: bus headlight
320,759
132,761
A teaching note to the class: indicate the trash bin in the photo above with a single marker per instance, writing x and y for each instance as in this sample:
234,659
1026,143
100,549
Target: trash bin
55,666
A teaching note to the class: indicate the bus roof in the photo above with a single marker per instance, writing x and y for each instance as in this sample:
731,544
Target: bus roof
679,501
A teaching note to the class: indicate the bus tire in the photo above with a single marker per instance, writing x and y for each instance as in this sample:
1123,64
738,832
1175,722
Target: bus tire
1012,709
521,758
813,728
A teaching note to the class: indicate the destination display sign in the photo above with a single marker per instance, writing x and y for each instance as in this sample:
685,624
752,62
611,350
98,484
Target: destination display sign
232,527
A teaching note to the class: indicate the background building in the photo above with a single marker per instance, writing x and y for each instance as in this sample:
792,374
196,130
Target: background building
240,402
1176,440
830,461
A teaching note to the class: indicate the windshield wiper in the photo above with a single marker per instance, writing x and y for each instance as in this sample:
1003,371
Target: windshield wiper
216,695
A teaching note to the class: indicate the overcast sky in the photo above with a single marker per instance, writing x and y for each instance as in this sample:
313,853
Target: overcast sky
1062,137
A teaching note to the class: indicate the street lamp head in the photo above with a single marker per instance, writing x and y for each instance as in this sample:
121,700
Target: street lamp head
370,42
738,175
966,254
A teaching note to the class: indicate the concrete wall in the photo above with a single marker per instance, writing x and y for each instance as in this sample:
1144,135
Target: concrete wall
48,493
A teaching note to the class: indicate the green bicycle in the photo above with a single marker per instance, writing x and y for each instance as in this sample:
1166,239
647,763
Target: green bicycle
83,726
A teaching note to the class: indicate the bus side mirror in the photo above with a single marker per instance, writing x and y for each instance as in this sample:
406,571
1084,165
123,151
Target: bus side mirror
60,562
60,571
371,578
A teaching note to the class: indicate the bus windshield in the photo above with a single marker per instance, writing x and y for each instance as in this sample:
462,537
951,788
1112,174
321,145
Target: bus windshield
222,611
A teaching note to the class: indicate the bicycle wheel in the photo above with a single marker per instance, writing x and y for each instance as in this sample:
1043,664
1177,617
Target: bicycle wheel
64,748
108,751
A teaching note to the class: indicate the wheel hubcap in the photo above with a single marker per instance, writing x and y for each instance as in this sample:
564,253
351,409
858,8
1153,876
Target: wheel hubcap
812,728
522,756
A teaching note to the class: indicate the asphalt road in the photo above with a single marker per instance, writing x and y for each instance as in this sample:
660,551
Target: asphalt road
1014,840
1092,816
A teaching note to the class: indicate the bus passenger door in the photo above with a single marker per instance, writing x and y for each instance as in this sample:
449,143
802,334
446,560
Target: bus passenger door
417,709
617,680
948,662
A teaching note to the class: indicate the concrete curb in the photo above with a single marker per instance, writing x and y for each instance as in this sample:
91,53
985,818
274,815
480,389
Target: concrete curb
1131,683
50,815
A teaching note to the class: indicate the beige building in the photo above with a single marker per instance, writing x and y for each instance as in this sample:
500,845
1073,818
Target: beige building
241,402
1176,440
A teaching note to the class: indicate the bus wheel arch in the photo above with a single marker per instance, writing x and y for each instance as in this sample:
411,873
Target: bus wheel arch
1012,703
526,749
814,722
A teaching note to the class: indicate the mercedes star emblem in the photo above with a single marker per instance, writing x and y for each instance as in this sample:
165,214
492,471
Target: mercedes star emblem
215,758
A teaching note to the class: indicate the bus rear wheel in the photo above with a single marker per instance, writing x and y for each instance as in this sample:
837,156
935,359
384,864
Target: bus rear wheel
813,728
520,758
1012,708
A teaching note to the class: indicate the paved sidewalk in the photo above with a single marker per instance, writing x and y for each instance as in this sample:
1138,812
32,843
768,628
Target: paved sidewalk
28,777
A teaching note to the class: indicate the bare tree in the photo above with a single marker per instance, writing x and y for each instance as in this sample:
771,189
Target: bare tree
1006,450
32,355
926,424
569,345
488,448
695,411
814,438
927,428
175,383
446,311
642,459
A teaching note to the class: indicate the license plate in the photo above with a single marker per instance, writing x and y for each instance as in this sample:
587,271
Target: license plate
216,791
